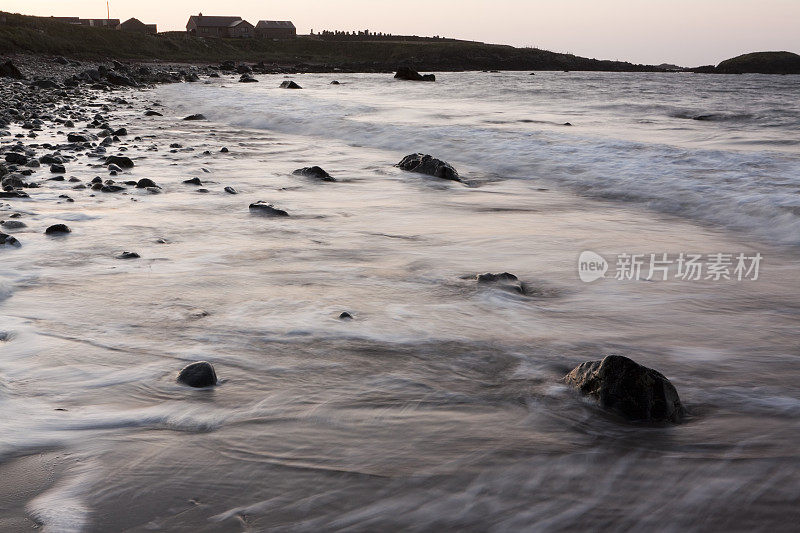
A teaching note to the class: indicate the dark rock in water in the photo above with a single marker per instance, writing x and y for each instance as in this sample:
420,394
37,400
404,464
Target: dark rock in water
128,255
114,169
16,158
334,82
56,178
191,77
345,316
247,78
314,172
193,181
289,84
112,188
203,191
624,386
57,229
198,375
13,181
121,131
121,80
13,194
425,164
145,183
503,280
10,70
407,73
151,113
567,124
264,208
119,160
57,168
198,116
224,150
231,190
13,224
8,240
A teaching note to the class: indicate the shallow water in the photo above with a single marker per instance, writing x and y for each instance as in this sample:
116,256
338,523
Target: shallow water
439,406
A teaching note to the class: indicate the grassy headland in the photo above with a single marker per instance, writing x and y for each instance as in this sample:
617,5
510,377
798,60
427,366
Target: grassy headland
37,35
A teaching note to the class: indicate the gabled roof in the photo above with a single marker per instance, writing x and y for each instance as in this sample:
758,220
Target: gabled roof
264,24
214,22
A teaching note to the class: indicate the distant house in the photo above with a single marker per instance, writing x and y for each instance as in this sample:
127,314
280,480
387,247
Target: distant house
100,23
276,29
203,26
68,20
134,25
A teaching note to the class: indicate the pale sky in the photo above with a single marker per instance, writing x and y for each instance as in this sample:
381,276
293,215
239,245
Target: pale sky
684,32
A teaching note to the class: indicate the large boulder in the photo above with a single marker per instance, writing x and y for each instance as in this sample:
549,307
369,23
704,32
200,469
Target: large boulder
629,389
409,74
426,164
10,70
199,374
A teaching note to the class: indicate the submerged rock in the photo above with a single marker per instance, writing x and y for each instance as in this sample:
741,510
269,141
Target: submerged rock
247,78
264,208
345,316
151,113
629,389
8,240
193,181
426,164
231,190
503,280
128,255
314,172
198,375
197,116
57,229
409,74
289,84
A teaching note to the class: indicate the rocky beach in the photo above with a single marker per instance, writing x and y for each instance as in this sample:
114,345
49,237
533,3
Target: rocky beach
247,296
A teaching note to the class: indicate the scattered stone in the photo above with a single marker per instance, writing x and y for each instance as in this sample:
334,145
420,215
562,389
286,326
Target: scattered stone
198,116
111,188
16,158
409,74
57,229
151,113
334,82
231,190
224,150
57,168
13,194
128,255
78,138
289,84
631,390
13,224
264,208
426,164
247,78
345,316
200,374
314,172
193,181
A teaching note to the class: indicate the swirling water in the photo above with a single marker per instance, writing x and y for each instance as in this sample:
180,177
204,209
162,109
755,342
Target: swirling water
439,407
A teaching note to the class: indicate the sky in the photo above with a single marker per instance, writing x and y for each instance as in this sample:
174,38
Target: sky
682,32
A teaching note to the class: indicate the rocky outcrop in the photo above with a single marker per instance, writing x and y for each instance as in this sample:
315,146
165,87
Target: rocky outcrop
198,375
761,63
426,164
629,389
409,74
